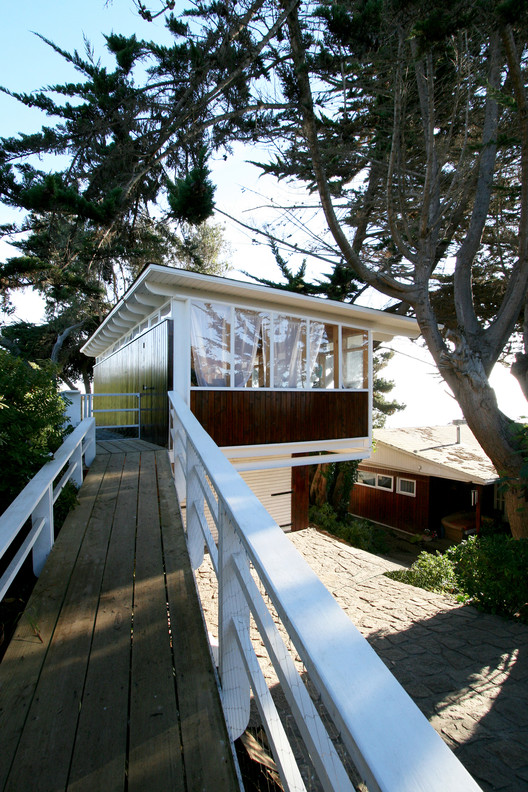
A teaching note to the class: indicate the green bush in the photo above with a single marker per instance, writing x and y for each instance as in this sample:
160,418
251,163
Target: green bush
490,572
493,572
430,572
31,422
358,533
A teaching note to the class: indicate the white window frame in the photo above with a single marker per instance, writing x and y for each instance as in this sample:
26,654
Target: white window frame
307,386
403,492
377,476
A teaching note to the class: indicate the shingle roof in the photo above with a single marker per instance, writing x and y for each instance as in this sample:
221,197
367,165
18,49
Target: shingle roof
438,446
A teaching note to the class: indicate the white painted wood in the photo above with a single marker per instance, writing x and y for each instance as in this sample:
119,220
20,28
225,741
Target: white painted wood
19,558
232,606
194,508
43,517
327,763
391,742
280,746
37,498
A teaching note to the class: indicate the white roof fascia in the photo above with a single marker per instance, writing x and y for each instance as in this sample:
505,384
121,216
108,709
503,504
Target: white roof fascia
157,283
433,468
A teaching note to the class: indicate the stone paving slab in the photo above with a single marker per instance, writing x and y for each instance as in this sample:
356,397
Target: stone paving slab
466,671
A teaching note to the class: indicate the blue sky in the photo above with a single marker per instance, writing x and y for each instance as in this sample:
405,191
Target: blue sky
27,63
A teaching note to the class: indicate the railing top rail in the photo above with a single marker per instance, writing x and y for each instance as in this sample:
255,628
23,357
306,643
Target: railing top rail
91,395
392,742
24,504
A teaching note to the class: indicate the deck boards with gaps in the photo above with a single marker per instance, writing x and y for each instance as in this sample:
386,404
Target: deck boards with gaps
105,702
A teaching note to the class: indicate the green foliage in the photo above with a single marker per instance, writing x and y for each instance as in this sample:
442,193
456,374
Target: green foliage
356,532
340,478
489,572
430,572
493,572
31,423
66,501
191,199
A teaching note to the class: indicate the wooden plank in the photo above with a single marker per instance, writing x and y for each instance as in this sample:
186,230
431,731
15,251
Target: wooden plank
23,660
207,755
155,750
100,753
43,756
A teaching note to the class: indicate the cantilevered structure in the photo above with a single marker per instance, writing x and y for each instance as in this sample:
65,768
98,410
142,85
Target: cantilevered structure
274,377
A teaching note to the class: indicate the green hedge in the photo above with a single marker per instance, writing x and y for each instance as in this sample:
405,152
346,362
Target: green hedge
490,572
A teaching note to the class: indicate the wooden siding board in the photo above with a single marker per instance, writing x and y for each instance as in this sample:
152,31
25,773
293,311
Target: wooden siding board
392,508
145,361
262,417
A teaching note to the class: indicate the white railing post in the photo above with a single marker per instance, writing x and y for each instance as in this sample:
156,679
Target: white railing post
232,607
43,515
76,462
194,508
89,446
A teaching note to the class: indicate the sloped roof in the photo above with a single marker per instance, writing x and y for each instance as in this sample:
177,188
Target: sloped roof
157,283
434,450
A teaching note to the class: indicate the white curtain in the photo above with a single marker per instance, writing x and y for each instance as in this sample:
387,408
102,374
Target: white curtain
317,330
210,331
289,339
247,333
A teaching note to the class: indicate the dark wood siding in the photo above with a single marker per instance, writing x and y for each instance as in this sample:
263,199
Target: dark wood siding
392,508
250,417
144,366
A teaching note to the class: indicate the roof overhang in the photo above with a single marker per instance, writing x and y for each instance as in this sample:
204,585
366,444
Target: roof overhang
419,464
159,283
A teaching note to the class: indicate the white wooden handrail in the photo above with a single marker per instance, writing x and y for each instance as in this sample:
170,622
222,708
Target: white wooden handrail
36,501
88,410
391,743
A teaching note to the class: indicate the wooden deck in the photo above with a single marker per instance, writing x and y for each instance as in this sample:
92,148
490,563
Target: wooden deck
107,683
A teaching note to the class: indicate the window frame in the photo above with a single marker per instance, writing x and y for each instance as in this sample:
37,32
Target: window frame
377,476
338,365
403,492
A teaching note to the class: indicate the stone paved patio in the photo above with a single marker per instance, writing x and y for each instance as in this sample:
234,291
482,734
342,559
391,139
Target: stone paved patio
466,671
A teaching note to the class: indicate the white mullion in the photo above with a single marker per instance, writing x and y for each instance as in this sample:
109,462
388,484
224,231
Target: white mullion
272,350
340,360
308,344
232,348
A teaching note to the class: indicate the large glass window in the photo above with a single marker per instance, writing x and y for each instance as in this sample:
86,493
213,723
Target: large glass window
246,348
355,358
289,352
252,349
210,344
324,346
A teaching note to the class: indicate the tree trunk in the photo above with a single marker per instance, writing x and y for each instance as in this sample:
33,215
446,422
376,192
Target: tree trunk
494,431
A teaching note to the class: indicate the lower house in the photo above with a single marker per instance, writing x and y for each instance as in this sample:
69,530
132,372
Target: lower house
433,479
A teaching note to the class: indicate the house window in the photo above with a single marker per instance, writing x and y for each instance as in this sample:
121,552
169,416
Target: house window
377,480
407,487
324,346
245,348
355,358
289,352
210,344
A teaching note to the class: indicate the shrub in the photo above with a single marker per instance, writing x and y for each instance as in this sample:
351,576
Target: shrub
493,572
430,572
358,533
31,422
490,572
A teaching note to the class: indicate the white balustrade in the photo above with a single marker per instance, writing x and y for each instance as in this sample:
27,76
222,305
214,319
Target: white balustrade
389,740
36,502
